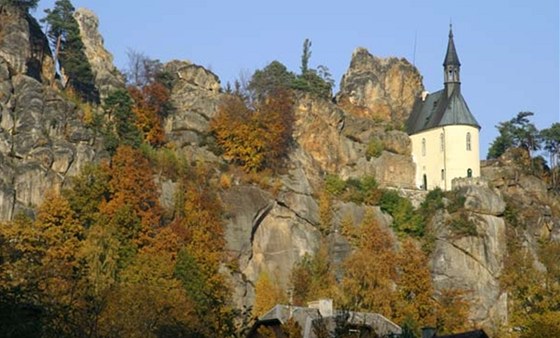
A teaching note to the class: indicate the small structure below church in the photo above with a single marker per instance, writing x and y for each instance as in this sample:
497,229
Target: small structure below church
320,319
444,132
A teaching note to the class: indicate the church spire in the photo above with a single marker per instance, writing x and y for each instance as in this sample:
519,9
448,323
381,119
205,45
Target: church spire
451,66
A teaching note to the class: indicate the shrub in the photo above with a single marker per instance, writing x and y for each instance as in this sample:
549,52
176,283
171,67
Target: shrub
463,225
374,148
405,219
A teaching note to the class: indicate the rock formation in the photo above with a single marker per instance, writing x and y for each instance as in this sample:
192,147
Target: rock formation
379,89
107,77
23,46
43,138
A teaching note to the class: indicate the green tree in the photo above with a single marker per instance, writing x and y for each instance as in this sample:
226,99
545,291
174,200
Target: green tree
551,140
64,33
305,56
518,132
271,79
121,128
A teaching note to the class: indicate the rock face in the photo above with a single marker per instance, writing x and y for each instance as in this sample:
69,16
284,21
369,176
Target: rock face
195,97
107,77
474,262
337,142
379,89
43,139
23,46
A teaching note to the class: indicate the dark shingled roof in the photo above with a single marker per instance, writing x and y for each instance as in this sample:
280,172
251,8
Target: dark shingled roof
451,57
439,110
470,334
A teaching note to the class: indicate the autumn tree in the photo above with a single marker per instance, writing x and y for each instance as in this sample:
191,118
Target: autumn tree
267,294
414,286
255,139
133,191
313,278
149,107
198,265
370,272
64,34
453,311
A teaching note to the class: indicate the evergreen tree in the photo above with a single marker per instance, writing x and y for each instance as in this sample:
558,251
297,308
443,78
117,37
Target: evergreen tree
64,33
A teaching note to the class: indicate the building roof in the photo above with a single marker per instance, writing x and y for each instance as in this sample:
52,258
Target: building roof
306,316
470,334
451,57
439,109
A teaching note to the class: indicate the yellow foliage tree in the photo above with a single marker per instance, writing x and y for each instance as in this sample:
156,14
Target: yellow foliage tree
368,284
255,139
267,294
415,290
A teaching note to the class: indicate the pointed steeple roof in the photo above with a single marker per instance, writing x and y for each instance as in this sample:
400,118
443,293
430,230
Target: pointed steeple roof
451,57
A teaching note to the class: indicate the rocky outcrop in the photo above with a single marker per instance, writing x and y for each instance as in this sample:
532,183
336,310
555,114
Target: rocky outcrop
473,263
195,97
337,142
107,77
379,89
23,46
42,140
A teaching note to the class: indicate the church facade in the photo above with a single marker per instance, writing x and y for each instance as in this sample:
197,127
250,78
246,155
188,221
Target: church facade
443,131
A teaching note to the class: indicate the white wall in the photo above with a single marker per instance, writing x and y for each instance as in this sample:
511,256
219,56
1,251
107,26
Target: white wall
453,158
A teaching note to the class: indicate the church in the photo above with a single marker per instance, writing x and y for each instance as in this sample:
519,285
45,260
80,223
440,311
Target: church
443,131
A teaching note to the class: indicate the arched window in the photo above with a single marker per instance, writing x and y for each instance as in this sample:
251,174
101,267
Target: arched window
468,141
441,142
442,174
425,182
469,172
423,147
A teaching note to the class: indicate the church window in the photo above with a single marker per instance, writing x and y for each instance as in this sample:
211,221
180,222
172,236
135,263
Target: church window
442,142
423,147
468,141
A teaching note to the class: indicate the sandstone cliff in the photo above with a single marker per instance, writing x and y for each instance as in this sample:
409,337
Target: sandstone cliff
43,141
43,138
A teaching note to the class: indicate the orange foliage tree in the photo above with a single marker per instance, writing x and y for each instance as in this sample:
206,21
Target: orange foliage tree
255,139
131,186
150,104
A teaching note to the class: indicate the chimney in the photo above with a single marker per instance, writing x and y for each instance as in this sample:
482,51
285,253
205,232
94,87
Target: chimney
324,306
428,332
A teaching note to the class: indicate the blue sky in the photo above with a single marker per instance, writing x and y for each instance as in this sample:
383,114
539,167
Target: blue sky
509,49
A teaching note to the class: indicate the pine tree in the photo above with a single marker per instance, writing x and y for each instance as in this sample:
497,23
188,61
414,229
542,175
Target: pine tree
64,33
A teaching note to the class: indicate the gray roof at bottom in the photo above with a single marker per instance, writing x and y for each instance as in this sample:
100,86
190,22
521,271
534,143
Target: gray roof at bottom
439,110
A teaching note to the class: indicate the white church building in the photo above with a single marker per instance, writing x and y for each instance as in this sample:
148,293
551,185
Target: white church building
443,131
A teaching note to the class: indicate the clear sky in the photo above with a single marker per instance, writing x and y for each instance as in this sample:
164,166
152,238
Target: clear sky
509,49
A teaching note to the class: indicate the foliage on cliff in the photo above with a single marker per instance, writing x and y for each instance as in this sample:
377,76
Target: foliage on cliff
255,138
97,261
